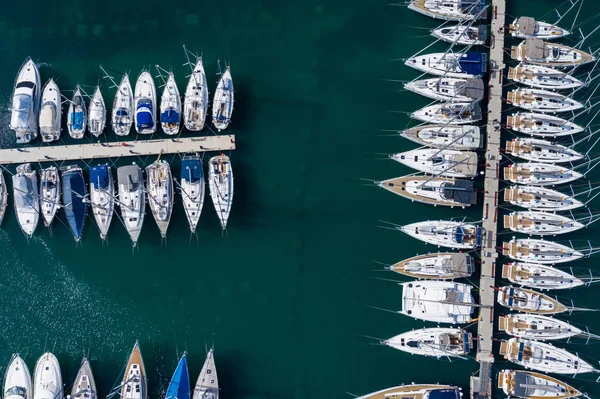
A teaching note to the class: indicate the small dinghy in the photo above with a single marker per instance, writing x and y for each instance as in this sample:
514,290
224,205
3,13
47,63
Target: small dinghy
527,27
449,113
170,107
222,107
449,10
179,386
102,197
97,114
50,113
145,104
460,34
438,266
3,196
122,112
529,301
26,103
77,115
447,163
196,99
467,65
540,199
540,223
539,251
448,89
438,342
537,327
432,190
192,188
132,200
539,276
532,385
84,386
445,233
26,200
74,195
536,150
539,174
543,77
47,380
135,384
450,137
539,100
416,391
159,187
17,380
207,385
539,52
220,184
437,301
49,193
542,125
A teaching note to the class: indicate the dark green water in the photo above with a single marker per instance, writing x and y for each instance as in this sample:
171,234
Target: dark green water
284,296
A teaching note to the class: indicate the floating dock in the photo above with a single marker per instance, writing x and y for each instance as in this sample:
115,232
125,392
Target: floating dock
74,152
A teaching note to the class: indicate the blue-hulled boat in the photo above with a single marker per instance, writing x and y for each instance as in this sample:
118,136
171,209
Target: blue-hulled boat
179,386
74,201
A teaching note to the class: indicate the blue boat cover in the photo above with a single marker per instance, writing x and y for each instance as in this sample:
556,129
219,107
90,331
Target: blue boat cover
169,116
77,120
444,394
521,350
474,63
191,170
179,387
460,234
99,176
143,116
122,112
73,193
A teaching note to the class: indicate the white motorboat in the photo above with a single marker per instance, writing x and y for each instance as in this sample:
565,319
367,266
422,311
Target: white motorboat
544,357
539,100
26,200
220,184
529,301
432,190
447,163
192,188
145,104
222,107
540,199
437,266
539,52
539,276
438,342
542,125
77,115
135,383
527,27
97,114
539,174
437,301
196,99
462,34
17,380
449,113
445,233
49,193
416,391
543,77
170,107
26,102
449,10
539,251
132,200
450,137
532,385
50,112
3,196
448,89
47,380
452,65
159,187
207,385
102,197
540,223
84,386
122,112
537,150
537,327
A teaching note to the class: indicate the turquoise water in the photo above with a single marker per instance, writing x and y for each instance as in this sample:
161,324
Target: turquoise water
285,295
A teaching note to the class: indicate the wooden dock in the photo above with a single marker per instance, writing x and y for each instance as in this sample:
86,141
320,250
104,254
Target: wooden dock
74,152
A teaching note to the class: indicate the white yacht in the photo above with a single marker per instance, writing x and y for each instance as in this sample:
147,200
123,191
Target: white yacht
170,107
449,10
540,223
437,301
26,198
542,125
122,112
539,174
97,114
447,163
132,200
438,342
437,266
452,137
543,77
145,104
539,276
449,113
462,34
539,251
49,193
529,301
26,103
102,197
540,199
84,386
47,380
540,100
135,383
532,385
452,65
537,150
448,89
539,52
220,184
159,187
527,27
544,357
3,196
17,380
445,233
537,327
50,112
416,391
193,188
207,385
432,190
77,115
222,106
196,99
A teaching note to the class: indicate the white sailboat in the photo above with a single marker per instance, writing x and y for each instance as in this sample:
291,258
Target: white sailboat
539,52
448,89
50,112
537,327
97,114
3,197
26,102
84,386
445,233
159,187
17,380
122,112
196,99
452,137
193,188
416,391
540,198
132,200
540,223
447,163
449,10
437,301
527,27
437,342
537,150
453,65
539,276
26,200
432,190
532,385
145,104
540,100
47,380
542,125
207,385
543,77
102,197
539,174
170,107
77,115
436,266
539,251
222,107
449,113
220,184
529,301
462,34
49,193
